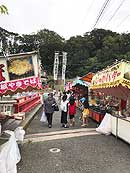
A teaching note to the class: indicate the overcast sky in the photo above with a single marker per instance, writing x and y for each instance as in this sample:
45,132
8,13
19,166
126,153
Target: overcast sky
65,17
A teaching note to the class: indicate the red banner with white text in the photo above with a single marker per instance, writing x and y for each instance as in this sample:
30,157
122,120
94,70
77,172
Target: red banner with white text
21,84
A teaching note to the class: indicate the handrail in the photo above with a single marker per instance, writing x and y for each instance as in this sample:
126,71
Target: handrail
27,105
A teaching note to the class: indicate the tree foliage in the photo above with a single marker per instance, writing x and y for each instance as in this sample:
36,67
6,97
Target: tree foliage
88,53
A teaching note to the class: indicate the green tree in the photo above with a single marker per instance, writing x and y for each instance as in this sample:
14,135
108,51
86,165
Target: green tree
50,42
88,53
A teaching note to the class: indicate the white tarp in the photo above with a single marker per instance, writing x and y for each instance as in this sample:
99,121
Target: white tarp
105,126
9,155
19,134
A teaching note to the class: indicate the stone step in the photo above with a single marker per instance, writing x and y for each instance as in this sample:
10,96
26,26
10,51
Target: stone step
59,132
58,135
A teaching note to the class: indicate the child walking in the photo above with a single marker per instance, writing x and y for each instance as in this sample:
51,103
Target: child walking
85,113
72,111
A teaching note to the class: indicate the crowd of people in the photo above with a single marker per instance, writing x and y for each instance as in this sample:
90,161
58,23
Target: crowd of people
67,104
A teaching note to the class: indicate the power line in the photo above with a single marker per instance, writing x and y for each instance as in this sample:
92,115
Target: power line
101,12
115,12
104,18
88,10
105,4
124,19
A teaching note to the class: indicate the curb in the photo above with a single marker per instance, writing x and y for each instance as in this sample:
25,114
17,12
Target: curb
30,116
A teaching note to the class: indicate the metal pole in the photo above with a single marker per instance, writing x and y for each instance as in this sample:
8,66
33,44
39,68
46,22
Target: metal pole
116,127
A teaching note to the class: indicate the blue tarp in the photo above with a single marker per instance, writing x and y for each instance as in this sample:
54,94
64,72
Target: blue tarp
80,82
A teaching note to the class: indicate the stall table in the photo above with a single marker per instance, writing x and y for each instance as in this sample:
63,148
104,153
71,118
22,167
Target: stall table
121,127
97,116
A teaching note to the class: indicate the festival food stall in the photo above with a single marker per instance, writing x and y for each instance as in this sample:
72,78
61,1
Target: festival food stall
87,80
80,88
94,113
19,73
114,81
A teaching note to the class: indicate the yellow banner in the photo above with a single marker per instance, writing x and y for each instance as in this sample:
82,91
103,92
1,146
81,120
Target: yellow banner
112,76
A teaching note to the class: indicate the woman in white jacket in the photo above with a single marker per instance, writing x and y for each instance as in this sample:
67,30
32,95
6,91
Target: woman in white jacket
64,110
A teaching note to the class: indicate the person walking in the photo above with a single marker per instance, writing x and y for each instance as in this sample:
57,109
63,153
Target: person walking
85,113
81,103
72,111
49,108
64,110
59,96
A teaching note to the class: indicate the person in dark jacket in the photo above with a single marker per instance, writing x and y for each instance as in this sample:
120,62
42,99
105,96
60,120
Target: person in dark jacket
49,108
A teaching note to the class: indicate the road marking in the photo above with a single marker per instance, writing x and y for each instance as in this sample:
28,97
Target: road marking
54,150
60,132
60,136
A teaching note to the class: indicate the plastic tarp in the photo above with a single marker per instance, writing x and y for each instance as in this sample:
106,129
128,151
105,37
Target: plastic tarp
9,155
79,82
105,126
19,134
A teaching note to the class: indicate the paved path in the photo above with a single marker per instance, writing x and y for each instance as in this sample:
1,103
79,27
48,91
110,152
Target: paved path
84,154
37,127
72,150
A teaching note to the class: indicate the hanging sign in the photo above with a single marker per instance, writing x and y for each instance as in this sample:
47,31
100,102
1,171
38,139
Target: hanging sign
56,65
19,71
112,76
21,84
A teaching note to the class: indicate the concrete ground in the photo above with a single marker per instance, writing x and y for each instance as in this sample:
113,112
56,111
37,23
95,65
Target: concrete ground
38,127
73,150
86,154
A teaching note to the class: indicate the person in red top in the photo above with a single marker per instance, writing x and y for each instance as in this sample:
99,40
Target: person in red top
72,111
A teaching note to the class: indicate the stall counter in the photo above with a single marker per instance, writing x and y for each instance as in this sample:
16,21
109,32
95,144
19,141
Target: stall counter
97,116
121,127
